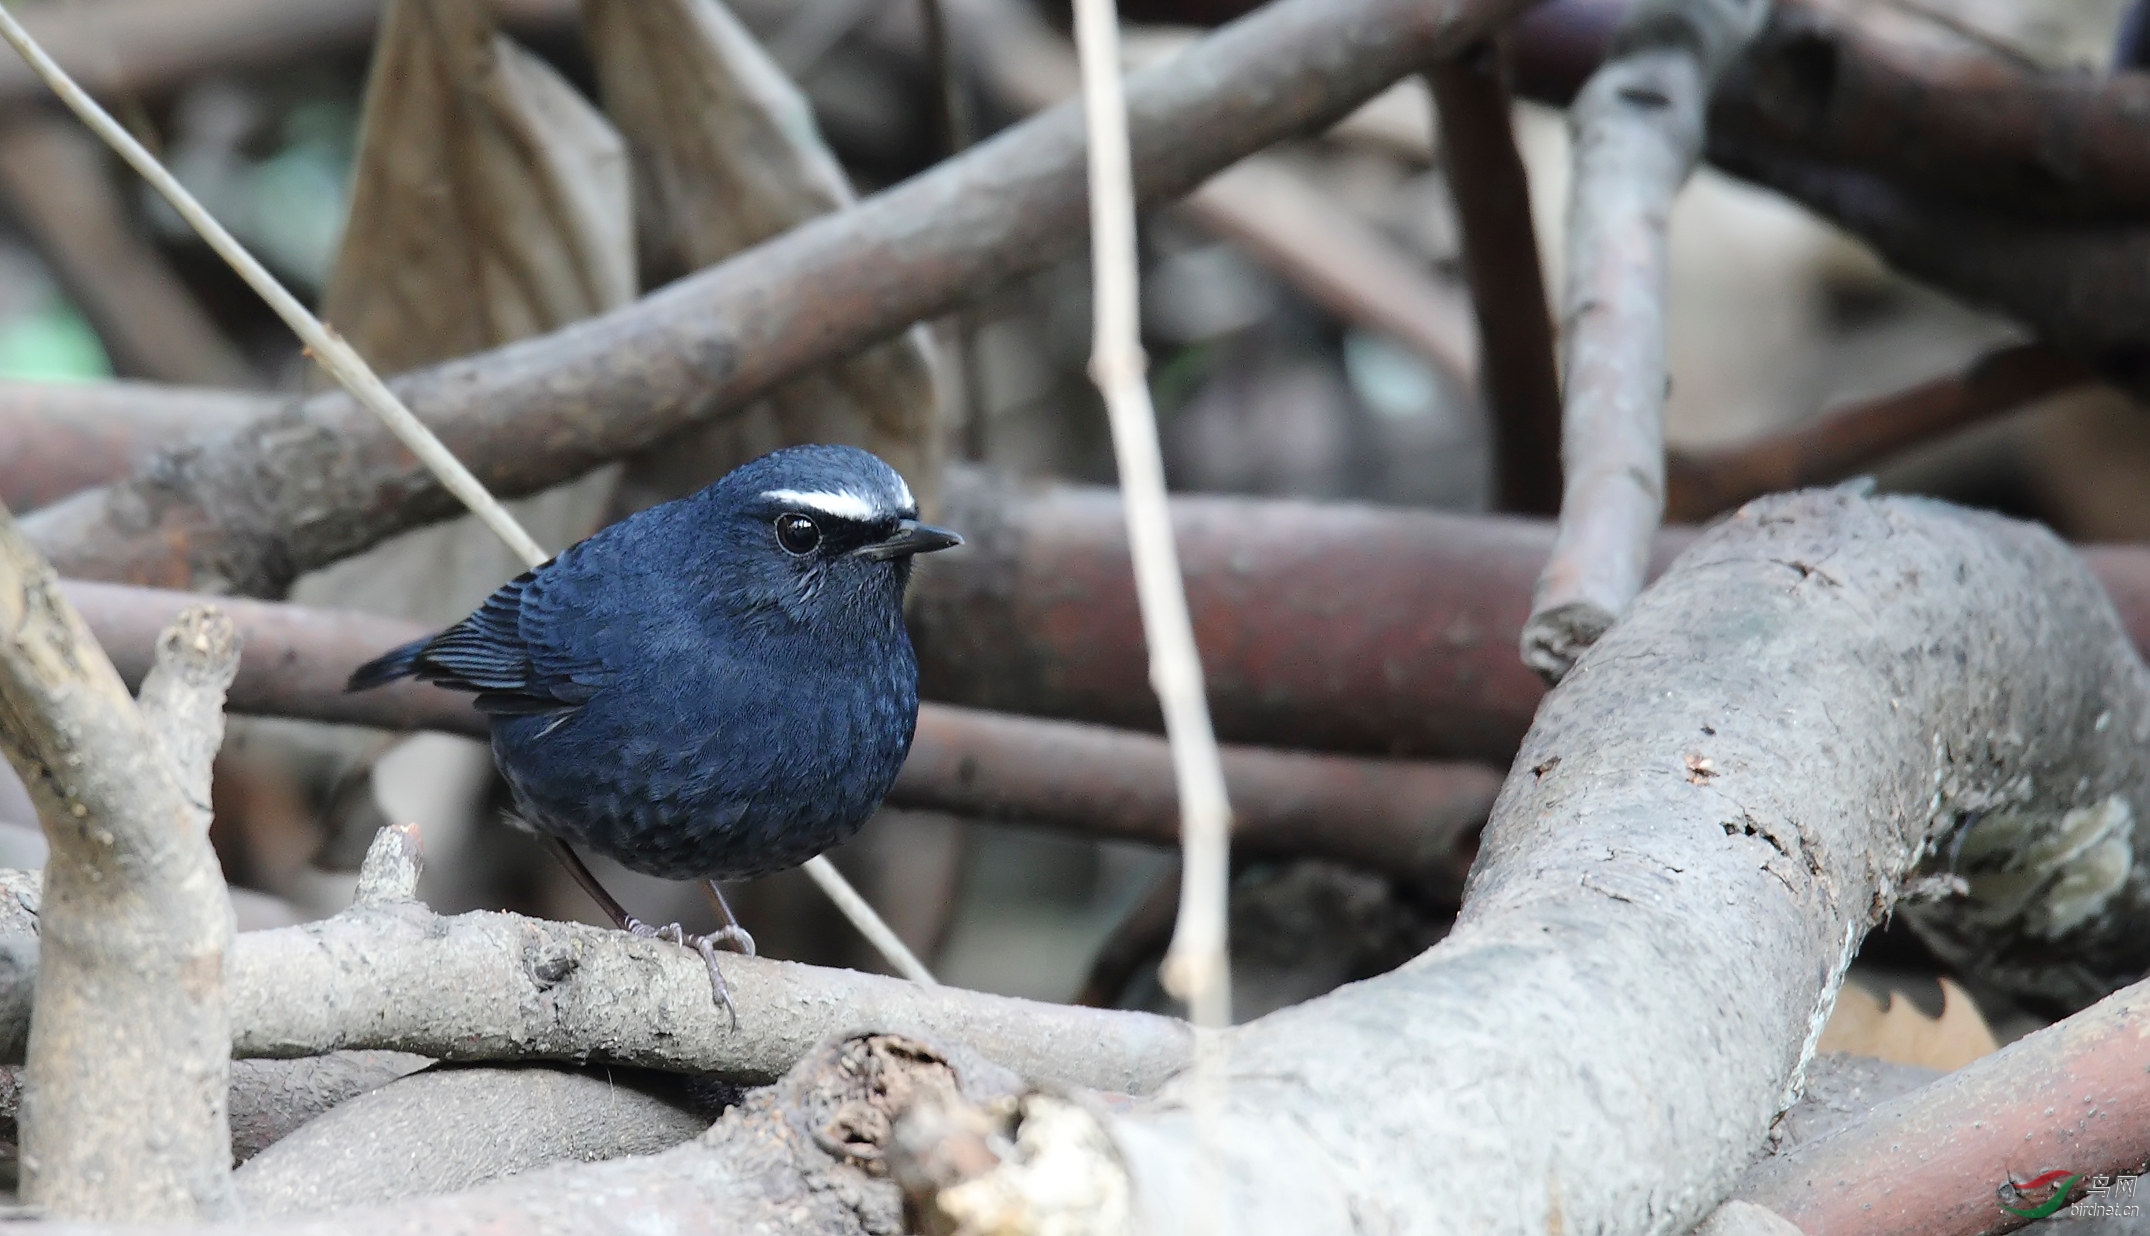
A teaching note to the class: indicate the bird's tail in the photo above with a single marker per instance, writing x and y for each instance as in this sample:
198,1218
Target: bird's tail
389,666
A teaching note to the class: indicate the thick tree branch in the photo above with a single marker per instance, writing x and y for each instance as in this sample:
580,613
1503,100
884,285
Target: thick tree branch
65,437
1966,125
1730,789
807,1155
323,481
127,1050
388,974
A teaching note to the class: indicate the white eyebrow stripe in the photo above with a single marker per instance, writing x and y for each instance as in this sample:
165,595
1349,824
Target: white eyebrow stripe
843,504
903,495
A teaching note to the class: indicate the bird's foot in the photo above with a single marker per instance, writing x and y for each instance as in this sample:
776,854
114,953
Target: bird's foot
706,945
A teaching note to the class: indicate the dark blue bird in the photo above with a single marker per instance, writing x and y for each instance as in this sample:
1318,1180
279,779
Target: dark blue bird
712,689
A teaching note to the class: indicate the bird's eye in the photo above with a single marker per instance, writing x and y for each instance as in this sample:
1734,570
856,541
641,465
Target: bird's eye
797,534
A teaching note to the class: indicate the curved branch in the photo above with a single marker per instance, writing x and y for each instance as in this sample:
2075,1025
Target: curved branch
1728,791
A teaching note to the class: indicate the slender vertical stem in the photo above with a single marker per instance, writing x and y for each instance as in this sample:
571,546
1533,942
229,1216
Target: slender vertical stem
1195,965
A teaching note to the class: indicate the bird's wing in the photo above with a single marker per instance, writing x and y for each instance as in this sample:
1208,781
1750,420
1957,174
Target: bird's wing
517,652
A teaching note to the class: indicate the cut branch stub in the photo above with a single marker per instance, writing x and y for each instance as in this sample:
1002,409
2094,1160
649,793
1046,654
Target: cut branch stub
129,1044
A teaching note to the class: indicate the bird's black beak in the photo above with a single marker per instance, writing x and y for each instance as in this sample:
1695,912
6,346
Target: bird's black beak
910,537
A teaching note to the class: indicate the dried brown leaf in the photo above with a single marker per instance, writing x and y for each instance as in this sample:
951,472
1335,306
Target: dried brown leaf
1897,1031
490,200
726,155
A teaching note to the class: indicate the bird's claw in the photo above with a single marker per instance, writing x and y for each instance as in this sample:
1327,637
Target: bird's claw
706,945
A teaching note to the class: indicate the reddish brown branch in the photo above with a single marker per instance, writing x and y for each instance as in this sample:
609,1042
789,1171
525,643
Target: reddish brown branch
2069,1096
1406,819
1500,257
1410,820
58,438
1969,124
1838,444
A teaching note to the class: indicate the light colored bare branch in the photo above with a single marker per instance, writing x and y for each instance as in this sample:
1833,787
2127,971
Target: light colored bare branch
1637,130
1195,966
1794,725
128,1047
388,974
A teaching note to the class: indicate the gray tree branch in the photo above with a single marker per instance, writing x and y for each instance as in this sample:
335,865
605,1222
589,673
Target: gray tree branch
1784,734
128,1048
388,974
1637,128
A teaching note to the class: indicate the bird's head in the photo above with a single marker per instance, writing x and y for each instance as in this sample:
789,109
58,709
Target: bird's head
826,533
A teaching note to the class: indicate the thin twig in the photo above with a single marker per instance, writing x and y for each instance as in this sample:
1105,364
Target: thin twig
343,363
1196,969
1845,440
870,925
